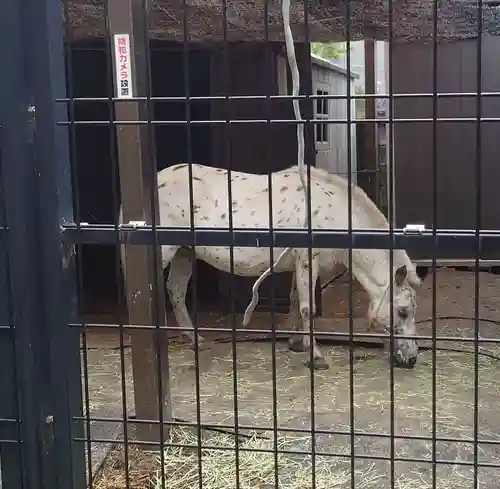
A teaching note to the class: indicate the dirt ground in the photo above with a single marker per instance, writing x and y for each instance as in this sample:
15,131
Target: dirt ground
412,415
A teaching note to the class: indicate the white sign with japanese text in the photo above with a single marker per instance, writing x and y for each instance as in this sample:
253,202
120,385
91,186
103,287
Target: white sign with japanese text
123,66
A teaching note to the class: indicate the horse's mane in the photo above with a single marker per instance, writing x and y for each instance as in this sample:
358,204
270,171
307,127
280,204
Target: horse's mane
375,215
359,196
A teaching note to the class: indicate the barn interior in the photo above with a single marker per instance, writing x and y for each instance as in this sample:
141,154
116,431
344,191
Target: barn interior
95,154
96,162
245,152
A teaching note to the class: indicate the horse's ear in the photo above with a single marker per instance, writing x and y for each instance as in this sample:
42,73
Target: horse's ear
401,274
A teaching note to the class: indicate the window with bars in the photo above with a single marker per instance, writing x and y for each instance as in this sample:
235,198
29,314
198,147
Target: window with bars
322,113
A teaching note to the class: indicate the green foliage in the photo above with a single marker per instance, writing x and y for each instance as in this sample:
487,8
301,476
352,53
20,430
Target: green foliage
328,50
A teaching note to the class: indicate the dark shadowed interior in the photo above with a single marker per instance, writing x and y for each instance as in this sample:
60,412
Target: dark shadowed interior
257,148
97,166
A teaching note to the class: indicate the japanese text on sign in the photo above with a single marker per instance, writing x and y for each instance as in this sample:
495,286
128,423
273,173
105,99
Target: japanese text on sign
123,68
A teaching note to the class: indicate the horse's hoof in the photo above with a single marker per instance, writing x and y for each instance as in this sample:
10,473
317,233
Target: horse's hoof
319,363
202,345
296,345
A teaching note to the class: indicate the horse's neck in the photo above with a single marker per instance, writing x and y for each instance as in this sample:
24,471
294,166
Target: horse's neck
371,269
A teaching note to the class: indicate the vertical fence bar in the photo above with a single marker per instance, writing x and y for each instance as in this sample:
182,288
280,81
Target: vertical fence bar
189,139
228,134
271,68
478,178
352,448
309,142
390,204
129,19
73,159
158,310
434,228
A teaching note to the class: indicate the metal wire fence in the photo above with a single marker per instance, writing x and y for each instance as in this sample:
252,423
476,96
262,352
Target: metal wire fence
123,135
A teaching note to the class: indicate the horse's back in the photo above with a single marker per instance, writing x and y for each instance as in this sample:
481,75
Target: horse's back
250,207
247,199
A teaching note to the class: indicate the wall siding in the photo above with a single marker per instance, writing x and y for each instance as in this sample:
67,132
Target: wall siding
457,143
333,156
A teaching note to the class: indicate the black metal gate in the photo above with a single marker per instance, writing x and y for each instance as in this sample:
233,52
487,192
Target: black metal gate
42,425
39,360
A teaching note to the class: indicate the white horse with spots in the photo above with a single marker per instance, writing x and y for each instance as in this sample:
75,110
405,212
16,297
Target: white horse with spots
250,209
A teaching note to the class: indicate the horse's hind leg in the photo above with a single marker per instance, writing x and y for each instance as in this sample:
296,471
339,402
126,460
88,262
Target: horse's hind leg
295,341
307,308
177,283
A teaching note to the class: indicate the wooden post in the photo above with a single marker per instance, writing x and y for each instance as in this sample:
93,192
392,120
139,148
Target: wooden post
370,179
127,26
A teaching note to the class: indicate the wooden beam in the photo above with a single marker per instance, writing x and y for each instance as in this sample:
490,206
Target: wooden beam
137,167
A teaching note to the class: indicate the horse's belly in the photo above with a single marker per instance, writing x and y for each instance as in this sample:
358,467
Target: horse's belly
248,262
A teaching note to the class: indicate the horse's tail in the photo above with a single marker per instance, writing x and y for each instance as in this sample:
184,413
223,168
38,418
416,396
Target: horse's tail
255,289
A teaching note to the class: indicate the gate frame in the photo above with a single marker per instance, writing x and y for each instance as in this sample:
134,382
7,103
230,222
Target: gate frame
38,201
42,235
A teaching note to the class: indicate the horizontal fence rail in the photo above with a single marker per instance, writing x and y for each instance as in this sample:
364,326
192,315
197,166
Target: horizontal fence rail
467,242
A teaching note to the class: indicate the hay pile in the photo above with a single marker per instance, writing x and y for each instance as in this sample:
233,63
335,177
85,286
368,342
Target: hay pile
256,465
141,469
372,402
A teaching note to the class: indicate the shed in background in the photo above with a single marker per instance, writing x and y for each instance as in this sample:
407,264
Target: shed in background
331,140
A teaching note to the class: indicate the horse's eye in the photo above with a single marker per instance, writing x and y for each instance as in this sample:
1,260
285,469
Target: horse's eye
403,313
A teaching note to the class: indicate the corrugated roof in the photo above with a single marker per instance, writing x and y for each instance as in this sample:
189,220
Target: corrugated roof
318,60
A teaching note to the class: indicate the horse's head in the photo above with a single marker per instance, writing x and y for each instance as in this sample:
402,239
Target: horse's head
404,306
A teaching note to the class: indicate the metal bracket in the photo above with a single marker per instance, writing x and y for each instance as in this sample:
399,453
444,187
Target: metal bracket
417,229
133,224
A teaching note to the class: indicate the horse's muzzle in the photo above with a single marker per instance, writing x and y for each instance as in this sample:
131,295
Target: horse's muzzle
400,362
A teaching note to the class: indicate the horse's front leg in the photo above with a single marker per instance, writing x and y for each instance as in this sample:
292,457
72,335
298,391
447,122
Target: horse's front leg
308,307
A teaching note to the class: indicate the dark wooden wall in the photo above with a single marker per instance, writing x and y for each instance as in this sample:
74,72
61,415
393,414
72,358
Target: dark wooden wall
252,70
457,142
